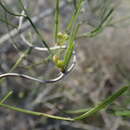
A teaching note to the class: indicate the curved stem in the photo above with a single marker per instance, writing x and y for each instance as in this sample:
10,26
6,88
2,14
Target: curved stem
61,76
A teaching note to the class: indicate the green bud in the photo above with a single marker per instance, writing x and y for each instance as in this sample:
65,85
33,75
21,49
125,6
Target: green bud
55,58
60,35
60,64
65,36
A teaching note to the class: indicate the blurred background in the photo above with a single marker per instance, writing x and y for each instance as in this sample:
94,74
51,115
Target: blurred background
103,66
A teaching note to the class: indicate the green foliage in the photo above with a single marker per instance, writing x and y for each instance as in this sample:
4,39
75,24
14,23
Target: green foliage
88,113
62,62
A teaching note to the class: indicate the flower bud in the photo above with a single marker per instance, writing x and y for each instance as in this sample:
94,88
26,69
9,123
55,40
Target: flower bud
60,35
60,64
55,58
65,36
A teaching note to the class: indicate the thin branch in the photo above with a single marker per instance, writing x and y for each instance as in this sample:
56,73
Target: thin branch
26,25
35,113
6,97
57,18
40,48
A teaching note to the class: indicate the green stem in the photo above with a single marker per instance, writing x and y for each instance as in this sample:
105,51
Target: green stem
74,17
70,48
5,98
57,18
95,109
5,21
74,30
103,104
98,29
77,111
20,59
29,19
34,113
9,12
123,113
34,27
